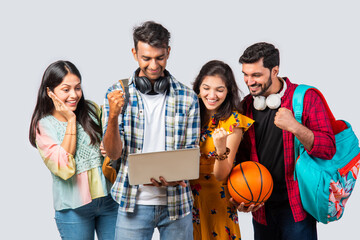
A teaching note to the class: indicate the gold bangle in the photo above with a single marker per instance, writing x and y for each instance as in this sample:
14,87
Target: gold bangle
222,156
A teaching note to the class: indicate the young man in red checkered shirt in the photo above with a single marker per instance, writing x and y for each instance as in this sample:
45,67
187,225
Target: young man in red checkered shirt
271,142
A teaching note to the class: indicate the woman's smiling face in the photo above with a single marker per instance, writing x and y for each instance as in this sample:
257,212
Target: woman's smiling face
69,91
213,92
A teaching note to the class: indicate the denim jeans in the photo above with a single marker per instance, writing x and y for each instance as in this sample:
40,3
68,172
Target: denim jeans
281,225
141,223
81,223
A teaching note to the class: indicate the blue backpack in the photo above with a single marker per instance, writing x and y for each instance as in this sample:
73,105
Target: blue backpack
326,185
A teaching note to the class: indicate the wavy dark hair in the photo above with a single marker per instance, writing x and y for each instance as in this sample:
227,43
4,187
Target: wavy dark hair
151,33
232,101
261,50
53,76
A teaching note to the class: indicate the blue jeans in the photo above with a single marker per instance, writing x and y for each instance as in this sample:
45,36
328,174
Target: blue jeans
81,223
141,223
281,225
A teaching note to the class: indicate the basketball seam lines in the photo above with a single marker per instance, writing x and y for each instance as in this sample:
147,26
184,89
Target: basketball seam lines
239,193
252,196
261,181
242,172
270,190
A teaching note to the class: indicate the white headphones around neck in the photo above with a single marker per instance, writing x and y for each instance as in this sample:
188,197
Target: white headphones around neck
273,101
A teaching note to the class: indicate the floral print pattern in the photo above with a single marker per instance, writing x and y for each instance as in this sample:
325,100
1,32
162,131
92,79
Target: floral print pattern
214,217
340,192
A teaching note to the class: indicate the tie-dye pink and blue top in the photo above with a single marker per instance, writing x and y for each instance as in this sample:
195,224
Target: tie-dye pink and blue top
76,179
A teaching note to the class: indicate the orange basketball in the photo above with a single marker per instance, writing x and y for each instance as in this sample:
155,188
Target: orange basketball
250,182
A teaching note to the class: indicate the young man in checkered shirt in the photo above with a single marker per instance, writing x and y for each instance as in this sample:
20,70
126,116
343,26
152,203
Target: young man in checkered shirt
162,114
271,142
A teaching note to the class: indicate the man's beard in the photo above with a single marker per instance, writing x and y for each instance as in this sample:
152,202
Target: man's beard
263,88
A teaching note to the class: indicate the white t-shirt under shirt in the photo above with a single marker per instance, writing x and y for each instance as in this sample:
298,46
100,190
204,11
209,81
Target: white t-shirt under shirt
154,140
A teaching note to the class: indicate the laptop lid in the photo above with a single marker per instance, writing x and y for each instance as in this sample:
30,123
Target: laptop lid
174,165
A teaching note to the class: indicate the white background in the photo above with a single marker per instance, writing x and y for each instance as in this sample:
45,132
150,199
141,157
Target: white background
318,42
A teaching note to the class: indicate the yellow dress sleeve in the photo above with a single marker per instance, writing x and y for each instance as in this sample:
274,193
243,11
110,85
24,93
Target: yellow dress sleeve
236,120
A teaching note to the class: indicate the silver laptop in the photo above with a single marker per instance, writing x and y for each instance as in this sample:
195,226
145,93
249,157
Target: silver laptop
175,165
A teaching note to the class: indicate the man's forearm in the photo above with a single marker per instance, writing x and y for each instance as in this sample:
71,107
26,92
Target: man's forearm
112,140
305,136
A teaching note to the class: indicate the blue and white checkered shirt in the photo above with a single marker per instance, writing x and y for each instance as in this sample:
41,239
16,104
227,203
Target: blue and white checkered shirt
182,130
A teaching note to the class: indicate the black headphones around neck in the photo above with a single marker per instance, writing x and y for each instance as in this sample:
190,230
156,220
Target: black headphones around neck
143,84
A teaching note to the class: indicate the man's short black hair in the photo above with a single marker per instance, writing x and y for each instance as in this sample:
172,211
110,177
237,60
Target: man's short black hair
151,33
261,50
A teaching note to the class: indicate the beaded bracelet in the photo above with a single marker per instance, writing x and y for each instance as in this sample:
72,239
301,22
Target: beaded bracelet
222,156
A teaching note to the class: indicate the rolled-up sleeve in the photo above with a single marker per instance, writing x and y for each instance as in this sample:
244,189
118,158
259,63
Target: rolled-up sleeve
316,118
193,125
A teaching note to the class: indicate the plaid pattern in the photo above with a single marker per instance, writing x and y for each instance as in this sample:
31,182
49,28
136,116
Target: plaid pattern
182,124
316,119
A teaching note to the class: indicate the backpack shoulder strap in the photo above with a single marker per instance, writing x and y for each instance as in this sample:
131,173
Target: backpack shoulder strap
298,107
125,85
298,100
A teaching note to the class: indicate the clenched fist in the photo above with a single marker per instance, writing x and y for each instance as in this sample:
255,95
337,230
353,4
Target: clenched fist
116,102
219,137
285,120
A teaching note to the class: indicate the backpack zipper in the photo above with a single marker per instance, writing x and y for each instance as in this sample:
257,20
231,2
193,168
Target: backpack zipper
344,170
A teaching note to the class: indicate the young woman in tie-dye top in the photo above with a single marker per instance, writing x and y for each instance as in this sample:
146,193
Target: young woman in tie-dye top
67,132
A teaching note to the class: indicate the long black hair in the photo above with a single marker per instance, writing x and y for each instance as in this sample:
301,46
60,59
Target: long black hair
232,101
53,76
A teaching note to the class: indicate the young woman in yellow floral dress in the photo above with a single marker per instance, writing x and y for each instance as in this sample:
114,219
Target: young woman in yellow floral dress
223,125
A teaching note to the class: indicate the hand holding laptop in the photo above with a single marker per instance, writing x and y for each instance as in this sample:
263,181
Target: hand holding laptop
164,183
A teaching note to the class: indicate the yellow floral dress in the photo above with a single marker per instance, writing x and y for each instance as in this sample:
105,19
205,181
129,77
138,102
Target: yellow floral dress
214,217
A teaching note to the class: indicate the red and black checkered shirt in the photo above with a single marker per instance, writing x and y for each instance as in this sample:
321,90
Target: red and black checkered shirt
316,119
